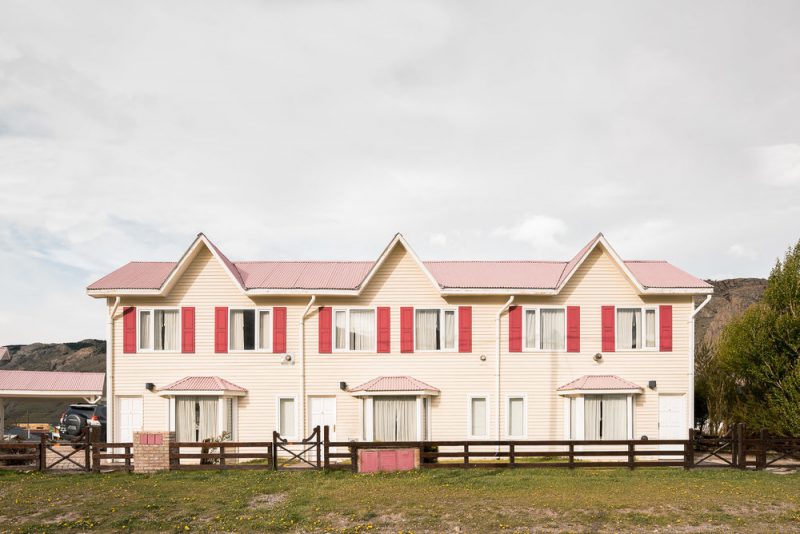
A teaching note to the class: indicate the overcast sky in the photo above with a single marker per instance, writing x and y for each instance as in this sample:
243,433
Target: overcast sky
316,130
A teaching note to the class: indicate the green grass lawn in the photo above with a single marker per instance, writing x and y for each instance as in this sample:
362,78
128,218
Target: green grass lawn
478,500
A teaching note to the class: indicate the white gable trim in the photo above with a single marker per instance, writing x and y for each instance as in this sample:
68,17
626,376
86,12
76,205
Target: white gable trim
398,240
601,240
187,259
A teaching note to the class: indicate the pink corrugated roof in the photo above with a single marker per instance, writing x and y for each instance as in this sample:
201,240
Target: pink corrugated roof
660,274
303,274
52,381
394,383
349,275
202,383
599,382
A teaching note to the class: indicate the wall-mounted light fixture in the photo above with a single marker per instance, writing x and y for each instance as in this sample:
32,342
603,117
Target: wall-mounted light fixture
149,386
652,384
343,386
483,357
598,357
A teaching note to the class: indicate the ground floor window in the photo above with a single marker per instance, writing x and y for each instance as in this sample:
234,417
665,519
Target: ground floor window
287,417
396,418
478,417
515,417
200,418
599,417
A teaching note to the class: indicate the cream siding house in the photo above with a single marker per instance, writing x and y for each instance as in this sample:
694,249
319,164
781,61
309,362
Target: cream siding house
400,349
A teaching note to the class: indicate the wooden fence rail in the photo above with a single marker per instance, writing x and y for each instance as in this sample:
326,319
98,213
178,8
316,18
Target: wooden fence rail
229,455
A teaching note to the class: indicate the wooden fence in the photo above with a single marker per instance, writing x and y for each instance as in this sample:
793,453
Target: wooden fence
221,455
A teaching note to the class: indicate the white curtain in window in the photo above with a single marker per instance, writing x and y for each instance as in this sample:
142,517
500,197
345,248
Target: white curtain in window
478,423
166,322
144,330
615,417
264,329
362,329
650,328
341,334
530,329
552,329
516,416
449,329
427,329
237,330
185,418
629,329
591,416
209,410
287,423
395,418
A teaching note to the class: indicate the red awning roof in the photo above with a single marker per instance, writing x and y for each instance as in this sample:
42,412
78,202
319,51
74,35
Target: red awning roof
599,383
394,383
202,383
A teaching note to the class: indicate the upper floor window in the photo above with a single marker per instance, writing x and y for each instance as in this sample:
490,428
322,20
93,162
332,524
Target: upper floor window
545,329
435,329
354,329
636,328
250,330
159,329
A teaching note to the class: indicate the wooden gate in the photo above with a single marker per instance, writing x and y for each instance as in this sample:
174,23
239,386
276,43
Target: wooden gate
717,451
295,453
65,455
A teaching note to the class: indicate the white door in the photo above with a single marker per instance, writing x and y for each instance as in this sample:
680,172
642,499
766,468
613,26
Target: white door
129,417
672,419
322,412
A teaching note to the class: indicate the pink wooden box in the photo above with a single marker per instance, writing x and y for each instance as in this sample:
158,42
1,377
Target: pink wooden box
386,460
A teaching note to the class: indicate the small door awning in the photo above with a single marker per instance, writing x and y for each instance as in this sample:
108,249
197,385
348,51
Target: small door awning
599,384
394,385
202,385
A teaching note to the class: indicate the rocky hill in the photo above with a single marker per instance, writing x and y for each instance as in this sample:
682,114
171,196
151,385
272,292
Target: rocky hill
731,297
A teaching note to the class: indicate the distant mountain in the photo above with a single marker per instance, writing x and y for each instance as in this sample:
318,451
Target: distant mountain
85,356
731,297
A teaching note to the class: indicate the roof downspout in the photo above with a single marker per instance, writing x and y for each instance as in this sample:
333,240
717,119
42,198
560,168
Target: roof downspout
497,370
303,362
691,360
110,370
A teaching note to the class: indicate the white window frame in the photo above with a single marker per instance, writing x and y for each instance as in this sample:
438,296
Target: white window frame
524,398
347,311
470,398
367,413
172,416
643,310
441,329
152,311
257,327
580,423
278,399
538,326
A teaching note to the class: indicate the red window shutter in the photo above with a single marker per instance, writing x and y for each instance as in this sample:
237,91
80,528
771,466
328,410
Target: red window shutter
384,330
129,330
665,326
406,329
515,329
187,330
325,327
279,330
465,329
221,330
607,321
573,328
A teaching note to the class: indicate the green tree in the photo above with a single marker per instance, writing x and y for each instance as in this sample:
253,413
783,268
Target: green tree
758,356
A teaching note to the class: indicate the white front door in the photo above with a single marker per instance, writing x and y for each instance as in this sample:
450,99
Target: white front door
672,419
129,417
322,411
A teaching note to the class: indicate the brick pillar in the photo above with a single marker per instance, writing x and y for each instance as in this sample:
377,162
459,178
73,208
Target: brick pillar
151,451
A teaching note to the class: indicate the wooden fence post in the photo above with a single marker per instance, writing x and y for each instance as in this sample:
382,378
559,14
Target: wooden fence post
466,454
326,447
354,458
571,453
688,450
631,456
741,447
42,452
128,456
761,462
274,450
511,455
318,446
221,455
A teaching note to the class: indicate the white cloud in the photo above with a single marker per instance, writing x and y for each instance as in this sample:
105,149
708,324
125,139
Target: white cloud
740,251
541,232
777,165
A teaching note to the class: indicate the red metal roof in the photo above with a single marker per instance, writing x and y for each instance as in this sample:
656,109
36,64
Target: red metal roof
349,275
599,383
202,383
59,381
394,383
